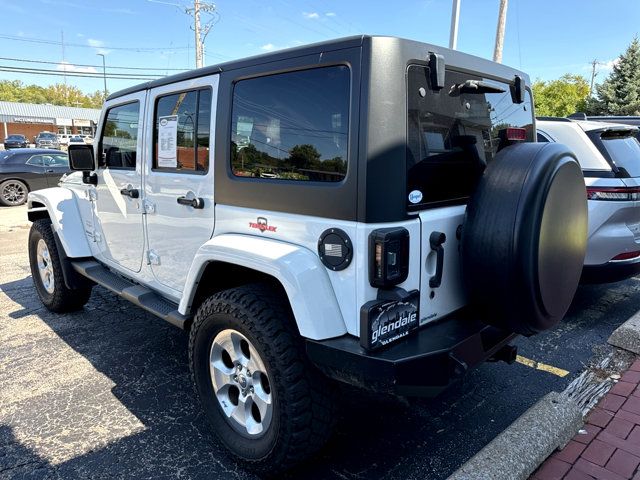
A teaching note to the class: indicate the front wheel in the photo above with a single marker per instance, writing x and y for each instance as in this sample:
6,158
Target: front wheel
13,193
46,271
265,401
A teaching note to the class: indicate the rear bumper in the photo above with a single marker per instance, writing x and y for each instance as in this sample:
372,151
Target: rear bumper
610,272
423,364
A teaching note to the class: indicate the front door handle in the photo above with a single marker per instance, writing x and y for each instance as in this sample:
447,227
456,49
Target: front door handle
196,202
130,192
436,239
50,170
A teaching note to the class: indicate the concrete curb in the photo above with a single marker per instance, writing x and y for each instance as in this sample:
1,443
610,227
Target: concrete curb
627,335
527,442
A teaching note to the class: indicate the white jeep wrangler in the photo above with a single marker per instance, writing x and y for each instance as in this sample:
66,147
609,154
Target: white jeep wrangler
370,210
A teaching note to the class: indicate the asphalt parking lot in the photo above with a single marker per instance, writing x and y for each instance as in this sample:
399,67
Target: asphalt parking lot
105,392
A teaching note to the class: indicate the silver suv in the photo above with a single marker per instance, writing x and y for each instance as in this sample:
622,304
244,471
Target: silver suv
47,140
609,155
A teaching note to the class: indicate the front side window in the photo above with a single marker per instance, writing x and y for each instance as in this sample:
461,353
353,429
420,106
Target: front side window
292,126
182,124
56,160
35,160
119,141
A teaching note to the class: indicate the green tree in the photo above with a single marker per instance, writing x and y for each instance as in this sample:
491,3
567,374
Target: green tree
619,94
58,94
304,156
561,97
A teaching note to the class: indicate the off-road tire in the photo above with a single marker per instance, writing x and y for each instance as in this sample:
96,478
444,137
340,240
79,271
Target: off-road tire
303,413
62,299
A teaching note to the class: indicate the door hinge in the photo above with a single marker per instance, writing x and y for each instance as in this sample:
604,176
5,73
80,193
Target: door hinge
149,207
153,258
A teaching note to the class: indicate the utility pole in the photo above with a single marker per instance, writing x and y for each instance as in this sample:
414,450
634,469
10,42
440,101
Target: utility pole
455,17
196,29
594,64
200,8
502,20
104,75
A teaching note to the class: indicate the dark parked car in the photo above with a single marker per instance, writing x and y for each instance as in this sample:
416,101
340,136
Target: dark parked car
47,140
16,141
22,171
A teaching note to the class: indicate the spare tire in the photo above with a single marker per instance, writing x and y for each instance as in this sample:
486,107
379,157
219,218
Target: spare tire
524,237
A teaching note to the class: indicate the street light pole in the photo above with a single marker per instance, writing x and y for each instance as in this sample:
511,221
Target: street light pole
455,17
104,75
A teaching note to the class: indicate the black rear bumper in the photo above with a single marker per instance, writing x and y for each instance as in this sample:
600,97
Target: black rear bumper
610,272
423,364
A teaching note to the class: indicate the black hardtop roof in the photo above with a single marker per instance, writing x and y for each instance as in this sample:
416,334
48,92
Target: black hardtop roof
317,48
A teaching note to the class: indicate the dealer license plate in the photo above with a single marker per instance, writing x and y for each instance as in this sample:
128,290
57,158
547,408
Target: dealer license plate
383,322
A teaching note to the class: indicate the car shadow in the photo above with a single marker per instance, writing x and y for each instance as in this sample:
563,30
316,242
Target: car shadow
146,361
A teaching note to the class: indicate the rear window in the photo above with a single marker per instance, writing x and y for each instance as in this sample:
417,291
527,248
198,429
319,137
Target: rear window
624,151
451,137
292,126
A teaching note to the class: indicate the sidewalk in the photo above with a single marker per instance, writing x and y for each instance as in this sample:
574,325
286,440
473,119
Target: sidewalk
608,446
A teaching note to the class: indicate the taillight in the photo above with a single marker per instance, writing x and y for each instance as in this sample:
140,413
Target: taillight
388,257
616,194
627,256
516,134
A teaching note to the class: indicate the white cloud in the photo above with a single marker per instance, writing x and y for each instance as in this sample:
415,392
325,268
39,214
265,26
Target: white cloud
268,47
95,43
330,14
68,67
311,15
608,65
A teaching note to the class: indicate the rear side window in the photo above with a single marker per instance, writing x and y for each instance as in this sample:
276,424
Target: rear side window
119,142
292,126
452,135
181,135
624,150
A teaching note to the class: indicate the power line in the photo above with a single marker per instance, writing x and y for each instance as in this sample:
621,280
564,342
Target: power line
94,66
42,71
82,45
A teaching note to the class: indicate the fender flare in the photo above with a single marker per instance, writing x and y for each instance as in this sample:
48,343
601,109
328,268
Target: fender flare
61,204
299,271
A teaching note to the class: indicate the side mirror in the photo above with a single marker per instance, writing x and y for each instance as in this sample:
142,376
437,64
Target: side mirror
81,157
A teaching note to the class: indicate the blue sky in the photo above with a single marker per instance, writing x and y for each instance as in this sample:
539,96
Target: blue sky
545,38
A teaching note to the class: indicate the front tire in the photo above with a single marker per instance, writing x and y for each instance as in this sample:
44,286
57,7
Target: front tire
279,412
46,272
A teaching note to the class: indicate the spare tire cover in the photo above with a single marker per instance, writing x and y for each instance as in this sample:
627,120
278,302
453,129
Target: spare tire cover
524,237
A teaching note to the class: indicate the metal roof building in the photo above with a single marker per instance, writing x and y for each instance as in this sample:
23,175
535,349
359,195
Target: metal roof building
11,110
30,118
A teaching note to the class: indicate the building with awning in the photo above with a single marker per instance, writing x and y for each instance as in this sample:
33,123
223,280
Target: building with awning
29,119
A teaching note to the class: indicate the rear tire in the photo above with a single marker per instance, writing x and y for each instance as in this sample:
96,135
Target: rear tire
46,272
13,193
300,418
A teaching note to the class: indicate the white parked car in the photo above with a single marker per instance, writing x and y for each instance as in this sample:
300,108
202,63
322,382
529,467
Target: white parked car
609,155
407,227
76,140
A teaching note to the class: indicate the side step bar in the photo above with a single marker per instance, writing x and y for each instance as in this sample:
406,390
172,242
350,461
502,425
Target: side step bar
136,294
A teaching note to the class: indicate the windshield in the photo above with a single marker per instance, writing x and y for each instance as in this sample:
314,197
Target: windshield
15,137
47,136
624,150
453,134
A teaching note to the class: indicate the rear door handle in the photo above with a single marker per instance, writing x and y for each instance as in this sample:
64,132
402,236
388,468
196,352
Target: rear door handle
130,192
50,170
436,239
191,202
